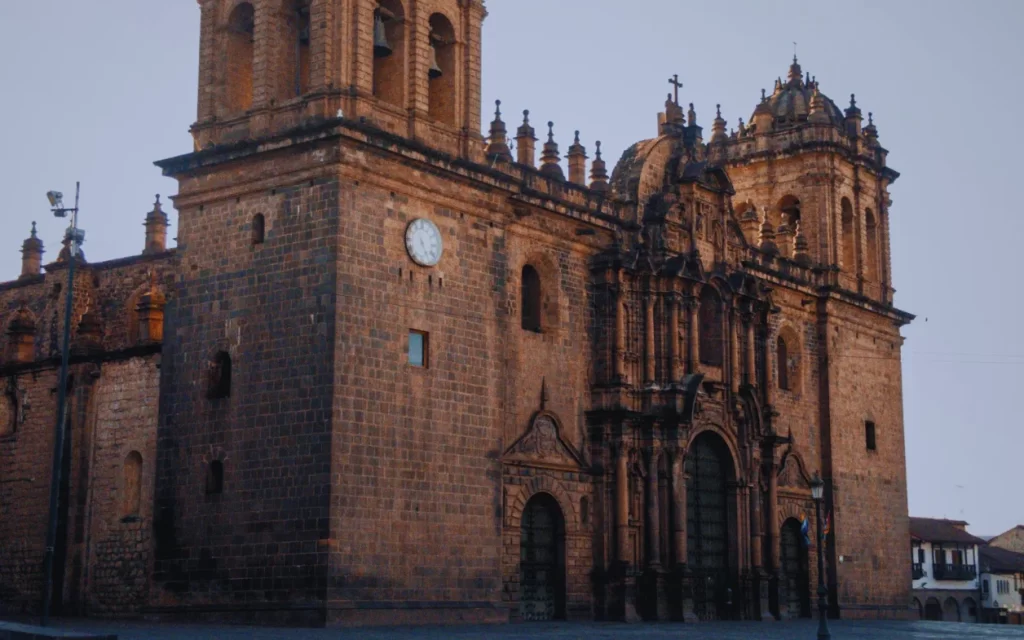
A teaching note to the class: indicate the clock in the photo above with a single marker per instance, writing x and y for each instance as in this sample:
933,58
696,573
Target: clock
423,242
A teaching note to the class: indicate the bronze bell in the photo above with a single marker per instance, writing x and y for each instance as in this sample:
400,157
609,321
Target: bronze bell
435,69
381,48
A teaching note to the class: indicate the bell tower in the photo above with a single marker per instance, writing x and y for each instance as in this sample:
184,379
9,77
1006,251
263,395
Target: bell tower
408,67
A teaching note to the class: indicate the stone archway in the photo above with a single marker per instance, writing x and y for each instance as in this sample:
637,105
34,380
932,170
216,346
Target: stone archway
950,610
542,560
932,609
710,512
917,609
794,572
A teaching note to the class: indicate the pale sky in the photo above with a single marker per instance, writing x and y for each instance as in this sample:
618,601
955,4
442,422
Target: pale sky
96,91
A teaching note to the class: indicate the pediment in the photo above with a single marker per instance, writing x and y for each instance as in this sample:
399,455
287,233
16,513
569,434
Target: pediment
543,446
793,473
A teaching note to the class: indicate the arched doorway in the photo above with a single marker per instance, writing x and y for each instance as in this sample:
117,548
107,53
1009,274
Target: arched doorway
709,470
932,609
969,609
542,560
795,576
950,610
917,609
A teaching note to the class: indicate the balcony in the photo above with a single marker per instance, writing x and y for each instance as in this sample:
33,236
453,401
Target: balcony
918,570
954,571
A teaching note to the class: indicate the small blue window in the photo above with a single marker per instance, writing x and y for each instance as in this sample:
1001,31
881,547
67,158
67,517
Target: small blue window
418,348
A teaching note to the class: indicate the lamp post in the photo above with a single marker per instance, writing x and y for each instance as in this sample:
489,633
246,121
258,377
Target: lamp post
817,492
75,238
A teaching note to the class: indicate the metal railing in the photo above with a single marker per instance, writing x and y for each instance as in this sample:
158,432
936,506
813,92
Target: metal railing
954,571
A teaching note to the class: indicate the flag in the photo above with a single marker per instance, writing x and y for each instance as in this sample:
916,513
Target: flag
805,529
828,524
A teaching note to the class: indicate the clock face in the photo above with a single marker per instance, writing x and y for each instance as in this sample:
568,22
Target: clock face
423,241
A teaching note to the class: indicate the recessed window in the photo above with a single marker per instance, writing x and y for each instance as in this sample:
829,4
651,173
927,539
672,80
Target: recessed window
419,348
869,435
258,228
530,299
215,478
220,376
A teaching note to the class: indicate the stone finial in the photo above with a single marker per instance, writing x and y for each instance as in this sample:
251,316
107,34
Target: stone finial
156,229
795,74
817,112
598,171
550,157
767,236
784,235
497,143
577,162
853,117
871,131
718,133
526,140
801,251
31,255
742,129
691,116
89,337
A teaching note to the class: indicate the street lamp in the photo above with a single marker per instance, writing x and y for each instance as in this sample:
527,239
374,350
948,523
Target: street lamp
75,238
817,492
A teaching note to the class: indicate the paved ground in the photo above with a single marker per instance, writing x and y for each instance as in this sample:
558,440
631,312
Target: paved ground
841,630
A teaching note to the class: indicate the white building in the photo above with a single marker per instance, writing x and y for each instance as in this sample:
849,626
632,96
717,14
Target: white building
944,557
1002,585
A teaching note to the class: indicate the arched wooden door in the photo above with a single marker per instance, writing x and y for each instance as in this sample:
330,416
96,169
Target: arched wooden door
709,469
794,578
542,560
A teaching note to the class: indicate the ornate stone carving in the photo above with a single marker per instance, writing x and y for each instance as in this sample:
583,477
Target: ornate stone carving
542,445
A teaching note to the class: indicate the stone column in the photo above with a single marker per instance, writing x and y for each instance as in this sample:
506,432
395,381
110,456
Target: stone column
679,510
751,352
773,515
673,337
653,511
620,333
737,335
693,335
650,357
769,372
622,504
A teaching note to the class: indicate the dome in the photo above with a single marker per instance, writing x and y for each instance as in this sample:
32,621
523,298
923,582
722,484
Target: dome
794,101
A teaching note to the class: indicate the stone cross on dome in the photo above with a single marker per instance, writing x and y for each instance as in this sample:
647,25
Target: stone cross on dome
676,85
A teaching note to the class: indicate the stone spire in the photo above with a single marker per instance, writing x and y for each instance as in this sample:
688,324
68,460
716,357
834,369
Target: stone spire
598,171
801,252
526,140
549,157
785,239
156,229
853,117
718,133
497,144
31,255
767,239
750,224
577,162
762,118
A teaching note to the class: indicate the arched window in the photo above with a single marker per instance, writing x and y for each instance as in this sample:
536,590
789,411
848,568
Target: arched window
389,52
215,478
131,499
530,299
258,228
849,241
782,355
710,327
294,79
220,376
789,207
240,50
443,94
871,240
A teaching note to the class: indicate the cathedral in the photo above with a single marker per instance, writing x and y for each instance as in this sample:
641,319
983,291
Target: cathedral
399,371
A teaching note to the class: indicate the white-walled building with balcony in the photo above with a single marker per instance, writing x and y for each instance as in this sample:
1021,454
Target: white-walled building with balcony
944,557
1002,585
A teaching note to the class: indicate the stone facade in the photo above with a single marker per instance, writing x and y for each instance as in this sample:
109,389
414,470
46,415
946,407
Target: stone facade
624,389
